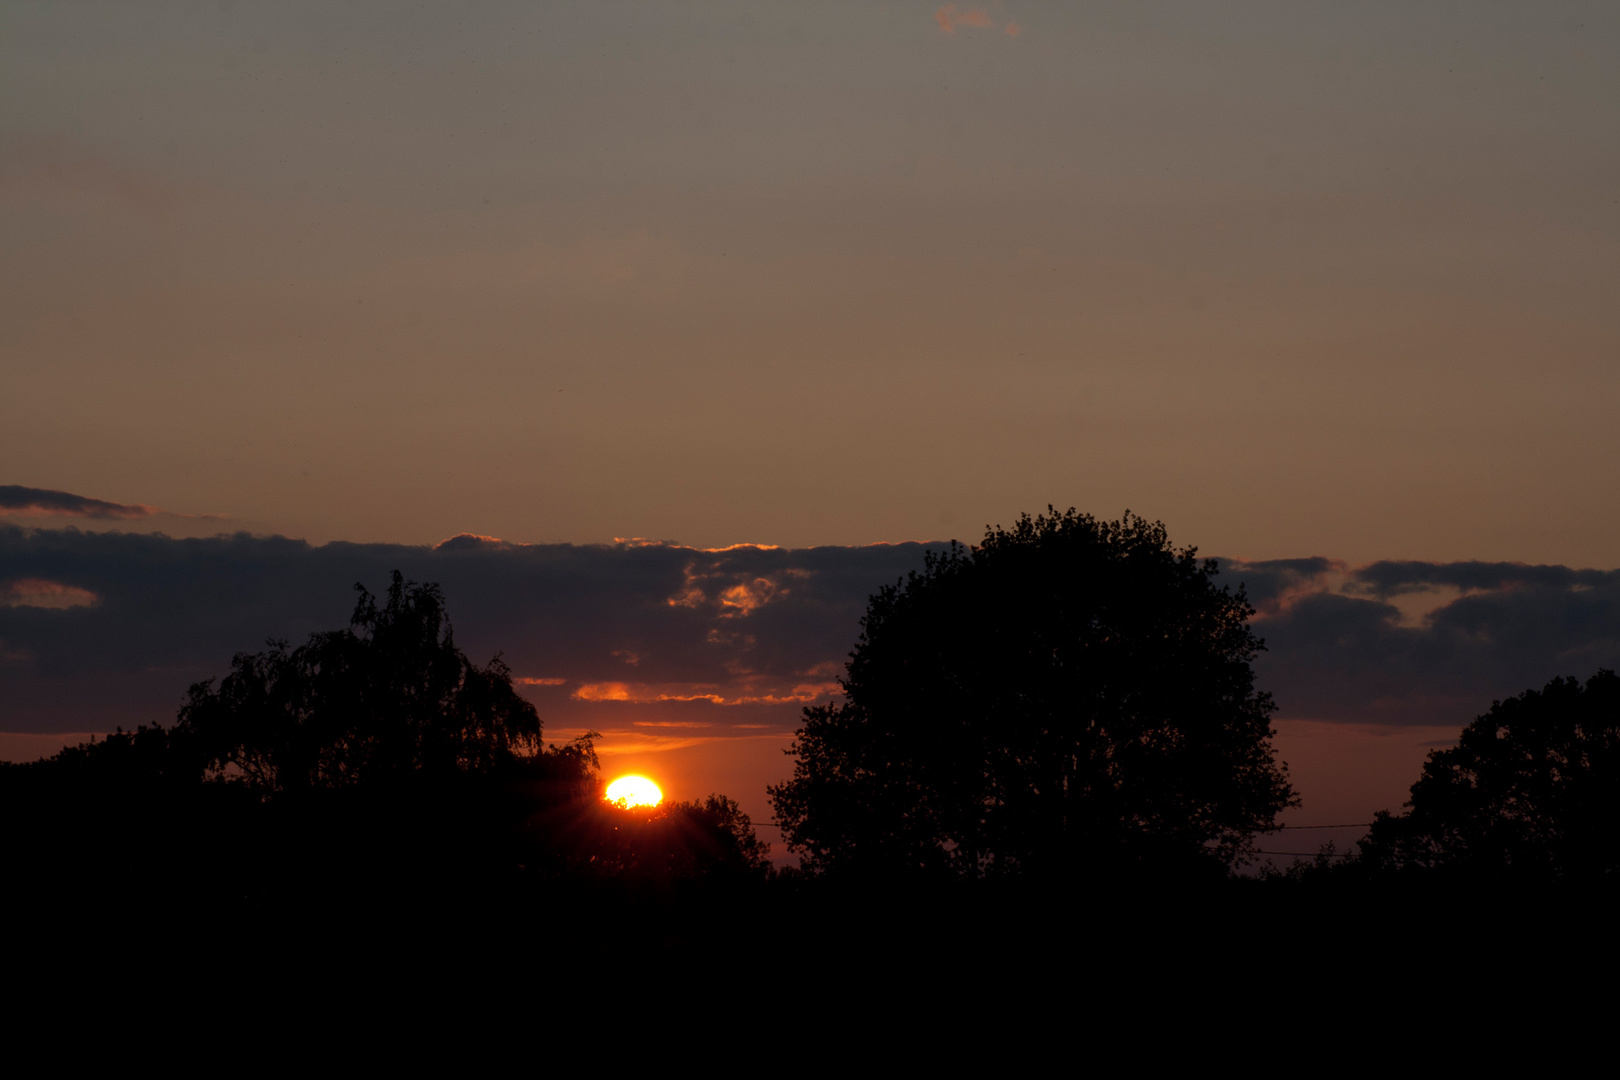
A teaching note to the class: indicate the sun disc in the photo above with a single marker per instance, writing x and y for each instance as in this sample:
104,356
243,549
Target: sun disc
634,791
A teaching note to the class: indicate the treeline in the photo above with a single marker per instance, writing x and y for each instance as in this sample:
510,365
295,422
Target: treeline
374,765
1530,795
1069,704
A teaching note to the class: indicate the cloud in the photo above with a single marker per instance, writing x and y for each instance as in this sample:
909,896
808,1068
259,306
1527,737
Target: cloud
950,17
1273,584
1385,579
1354,654
617,742
99,630
749,596
751,647
611,691
469,542
743,691
27,500
716,581
38,593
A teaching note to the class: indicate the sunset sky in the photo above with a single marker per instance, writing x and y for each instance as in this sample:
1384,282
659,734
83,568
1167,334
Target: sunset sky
1299,280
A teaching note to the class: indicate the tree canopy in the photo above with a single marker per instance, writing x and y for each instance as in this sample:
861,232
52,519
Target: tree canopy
1530,791
390,696
376,759
710,838
1069,694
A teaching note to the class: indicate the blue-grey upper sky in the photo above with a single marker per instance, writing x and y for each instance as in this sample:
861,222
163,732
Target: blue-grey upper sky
1294,278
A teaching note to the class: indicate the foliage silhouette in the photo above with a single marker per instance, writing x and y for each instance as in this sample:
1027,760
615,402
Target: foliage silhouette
373,763
389,697
707,839
1530,792
116,814
1069,695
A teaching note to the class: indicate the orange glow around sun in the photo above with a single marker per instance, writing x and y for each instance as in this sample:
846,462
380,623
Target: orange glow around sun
634,791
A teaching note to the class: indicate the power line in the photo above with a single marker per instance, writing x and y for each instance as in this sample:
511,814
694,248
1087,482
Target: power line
1257,851
1347,825
1350,825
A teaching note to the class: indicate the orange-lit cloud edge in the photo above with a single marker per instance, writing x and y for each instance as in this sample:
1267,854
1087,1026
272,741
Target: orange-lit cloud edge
710,588
949,17
43,593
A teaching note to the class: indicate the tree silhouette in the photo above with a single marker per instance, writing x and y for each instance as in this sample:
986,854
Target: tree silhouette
1531,791
116,813
1070,694
374,762
707,839
388,698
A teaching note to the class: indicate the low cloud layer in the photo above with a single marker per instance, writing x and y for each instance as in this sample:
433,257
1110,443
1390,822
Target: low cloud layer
661,645
633,635
1423,643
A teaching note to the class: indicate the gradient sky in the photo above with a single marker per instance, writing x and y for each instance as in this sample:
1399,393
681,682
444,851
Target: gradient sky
1293,278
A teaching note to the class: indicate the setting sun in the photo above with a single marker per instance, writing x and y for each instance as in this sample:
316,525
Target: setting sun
634,791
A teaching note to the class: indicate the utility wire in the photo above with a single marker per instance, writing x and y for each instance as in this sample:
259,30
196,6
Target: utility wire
1347,825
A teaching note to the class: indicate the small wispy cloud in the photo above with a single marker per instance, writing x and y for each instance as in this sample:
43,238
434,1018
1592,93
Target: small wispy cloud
39,593
639,740
15,499
950,17
605,691
742,691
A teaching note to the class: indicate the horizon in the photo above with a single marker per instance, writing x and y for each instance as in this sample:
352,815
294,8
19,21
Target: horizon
616,653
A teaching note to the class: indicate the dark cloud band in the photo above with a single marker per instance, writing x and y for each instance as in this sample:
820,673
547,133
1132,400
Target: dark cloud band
104,629
1425,643
633,626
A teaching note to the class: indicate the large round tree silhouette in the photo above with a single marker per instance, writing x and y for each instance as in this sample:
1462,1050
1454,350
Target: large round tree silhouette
1071,695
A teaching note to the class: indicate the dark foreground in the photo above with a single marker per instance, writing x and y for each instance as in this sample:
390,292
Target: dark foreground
512,944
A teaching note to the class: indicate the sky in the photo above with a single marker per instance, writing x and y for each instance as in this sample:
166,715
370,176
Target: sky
1299,280
1293,278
